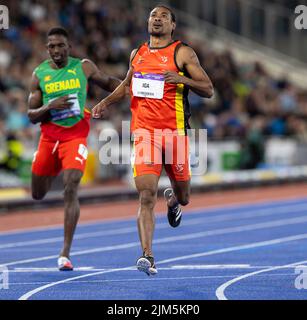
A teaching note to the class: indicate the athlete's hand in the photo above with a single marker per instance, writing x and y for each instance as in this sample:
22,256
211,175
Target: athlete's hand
99,110
172,77
61,103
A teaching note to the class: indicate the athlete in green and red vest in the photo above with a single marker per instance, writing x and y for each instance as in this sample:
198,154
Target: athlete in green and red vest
58,101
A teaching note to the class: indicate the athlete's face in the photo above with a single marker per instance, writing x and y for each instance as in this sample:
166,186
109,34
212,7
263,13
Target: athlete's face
58,49
160,22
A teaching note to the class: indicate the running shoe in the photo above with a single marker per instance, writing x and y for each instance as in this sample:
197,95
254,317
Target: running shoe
147,264
174,213
64,264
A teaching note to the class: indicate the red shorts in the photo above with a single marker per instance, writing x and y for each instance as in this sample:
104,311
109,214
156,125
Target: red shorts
152,153
54,156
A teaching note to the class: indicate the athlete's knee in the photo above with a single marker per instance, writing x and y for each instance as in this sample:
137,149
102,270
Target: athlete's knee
70,189
71,184
148,198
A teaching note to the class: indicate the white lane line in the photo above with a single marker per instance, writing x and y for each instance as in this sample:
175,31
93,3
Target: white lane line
214,267
250,227
275,204
239,247
189,222
76,253
211,266
148,279
220,291
297,237
125,280
59,227
27,295
174,267
76,237
30,270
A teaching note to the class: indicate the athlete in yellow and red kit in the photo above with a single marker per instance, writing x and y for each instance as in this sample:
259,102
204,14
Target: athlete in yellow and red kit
161,73
155,115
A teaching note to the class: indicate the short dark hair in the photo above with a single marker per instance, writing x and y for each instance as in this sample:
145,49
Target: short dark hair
168,8
58,31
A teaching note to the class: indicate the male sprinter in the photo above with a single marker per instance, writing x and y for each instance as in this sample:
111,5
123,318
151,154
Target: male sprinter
57,100
161,72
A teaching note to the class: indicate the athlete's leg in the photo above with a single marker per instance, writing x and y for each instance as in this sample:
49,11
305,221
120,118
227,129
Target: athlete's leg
147,186
73,155
45,167
179,175
40,186
181,193
147,166
71,180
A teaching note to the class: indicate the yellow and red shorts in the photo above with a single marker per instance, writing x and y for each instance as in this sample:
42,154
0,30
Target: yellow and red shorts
152,153
54,156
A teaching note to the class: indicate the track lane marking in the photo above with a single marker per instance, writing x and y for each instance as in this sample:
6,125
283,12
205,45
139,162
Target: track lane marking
297,237
209,209
220,291
191,221
222,231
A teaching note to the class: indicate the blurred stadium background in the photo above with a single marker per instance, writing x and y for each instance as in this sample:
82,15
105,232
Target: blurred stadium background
256,121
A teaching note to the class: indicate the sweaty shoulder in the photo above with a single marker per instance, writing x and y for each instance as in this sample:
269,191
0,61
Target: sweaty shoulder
87,63
88,67
184,51
185,55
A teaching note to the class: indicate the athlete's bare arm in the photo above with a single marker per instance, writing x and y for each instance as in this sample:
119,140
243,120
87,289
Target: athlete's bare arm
100,78
200,82
38,112
118,94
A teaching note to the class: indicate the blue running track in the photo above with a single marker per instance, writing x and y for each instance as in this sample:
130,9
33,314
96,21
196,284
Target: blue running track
234,252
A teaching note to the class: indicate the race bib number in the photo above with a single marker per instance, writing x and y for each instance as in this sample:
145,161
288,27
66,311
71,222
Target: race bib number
148,85
73,111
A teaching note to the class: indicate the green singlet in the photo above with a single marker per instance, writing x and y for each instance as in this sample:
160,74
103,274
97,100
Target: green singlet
55,83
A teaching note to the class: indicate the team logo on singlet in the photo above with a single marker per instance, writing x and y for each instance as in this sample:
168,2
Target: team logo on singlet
140,60
47,78
164,59
73,71
179,168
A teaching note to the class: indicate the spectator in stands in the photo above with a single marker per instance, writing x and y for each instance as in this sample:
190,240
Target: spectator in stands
243,92
12,155
252,152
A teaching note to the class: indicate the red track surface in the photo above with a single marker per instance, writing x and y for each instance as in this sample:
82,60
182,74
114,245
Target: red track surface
33,219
